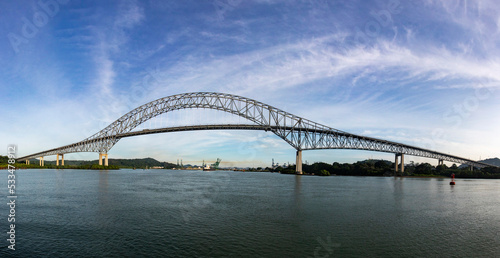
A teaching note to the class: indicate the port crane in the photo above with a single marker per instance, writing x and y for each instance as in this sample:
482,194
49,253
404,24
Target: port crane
213,166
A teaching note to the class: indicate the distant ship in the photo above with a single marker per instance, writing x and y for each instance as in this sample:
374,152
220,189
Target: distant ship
212,167
207,167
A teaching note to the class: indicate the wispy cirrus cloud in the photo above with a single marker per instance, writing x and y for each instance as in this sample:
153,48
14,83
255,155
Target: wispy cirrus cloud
293,65
106,52
108,39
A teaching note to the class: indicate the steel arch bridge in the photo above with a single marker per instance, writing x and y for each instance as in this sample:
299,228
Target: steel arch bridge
300,133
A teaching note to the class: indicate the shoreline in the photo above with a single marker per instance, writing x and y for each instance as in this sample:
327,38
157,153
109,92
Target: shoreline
100,168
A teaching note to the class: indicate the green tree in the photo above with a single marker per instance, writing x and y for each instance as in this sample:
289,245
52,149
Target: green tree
442,170
323,172
424,169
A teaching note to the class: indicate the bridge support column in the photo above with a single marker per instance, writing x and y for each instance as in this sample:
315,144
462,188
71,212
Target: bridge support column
41,162
440,162
396,164
402,163
105,156
62,159
471,168
27,162
298,163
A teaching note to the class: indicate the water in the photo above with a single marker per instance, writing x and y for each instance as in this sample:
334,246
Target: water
167,213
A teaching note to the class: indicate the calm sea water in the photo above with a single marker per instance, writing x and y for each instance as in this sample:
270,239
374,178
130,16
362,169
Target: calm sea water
165,213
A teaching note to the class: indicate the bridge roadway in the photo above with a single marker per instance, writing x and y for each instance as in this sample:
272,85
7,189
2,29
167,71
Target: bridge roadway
416,152
300,133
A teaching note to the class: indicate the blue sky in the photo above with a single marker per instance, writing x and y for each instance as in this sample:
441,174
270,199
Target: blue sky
424,73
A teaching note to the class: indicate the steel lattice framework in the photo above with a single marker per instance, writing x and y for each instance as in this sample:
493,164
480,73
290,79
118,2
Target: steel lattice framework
300,133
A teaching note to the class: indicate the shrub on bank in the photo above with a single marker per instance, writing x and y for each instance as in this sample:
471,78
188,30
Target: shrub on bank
323,172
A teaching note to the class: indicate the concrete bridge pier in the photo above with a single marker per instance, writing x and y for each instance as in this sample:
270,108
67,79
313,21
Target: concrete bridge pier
62,159
402,163
298,163
396,164
402,166
440,162
27,162
105,155
41,162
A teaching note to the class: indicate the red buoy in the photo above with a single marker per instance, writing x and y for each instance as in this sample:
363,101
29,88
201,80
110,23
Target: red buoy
452,179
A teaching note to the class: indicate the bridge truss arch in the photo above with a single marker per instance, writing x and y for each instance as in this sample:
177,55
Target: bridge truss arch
300,133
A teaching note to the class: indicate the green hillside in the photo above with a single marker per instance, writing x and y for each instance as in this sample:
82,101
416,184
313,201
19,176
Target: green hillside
493,161
122,163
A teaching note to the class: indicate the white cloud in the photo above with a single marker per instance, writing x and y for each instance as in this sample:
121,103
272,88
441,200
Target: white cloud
108,41
282,68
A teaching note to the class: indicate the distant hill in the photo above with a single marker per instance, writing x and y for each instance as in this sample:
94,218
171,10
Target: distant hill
138,163
493,161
